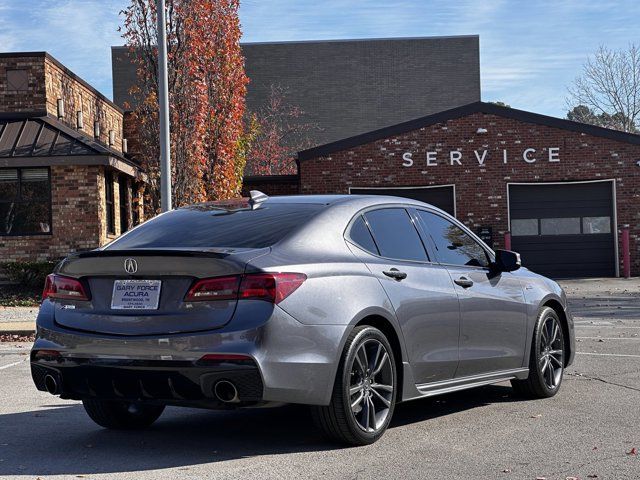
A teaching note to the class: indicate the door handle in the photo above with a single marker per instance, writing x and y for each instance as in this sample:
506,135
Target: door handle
464,282
395,273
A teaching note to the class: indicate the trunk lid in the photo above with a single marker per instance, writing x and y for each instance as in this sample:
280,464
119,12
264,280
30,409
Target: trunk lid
170,271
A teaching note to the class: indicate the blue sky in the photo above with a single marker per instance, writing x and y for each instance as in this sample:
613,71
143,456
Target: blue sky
529,50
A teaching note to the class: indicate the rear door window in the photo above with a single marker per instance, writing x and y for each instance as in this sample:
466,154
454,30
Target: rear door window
395,235
453,245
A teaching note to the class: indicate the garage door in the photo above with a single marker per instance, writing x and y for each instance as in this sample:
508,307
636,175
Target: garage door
564,230
442,197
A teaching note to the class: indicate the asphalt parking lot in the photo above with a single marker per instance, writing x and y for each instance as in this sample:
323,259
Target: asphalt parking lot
591,429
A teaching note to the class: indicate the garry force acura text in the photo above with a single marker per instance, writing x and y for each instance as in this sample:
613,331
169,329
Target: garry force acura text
349,304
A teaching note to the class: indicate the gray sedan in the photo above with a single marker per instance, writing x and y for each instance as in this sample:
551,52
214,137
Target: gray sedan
347,303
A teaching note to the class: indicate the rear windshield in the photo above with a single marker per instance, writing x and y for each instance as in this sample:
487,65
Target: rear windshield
208,227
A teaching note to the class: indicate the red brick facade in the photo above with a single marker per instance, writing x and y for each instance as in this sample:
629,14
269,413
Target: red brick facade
271,184
78,205
481,190
48,81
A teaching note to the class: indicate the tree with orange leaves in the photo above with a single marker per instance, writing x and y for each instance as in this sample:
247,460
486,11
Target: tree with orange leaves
207,87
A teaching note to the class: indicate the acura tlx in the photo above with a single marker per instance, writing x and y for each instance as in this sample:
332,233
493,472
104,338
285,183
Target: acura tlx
349,304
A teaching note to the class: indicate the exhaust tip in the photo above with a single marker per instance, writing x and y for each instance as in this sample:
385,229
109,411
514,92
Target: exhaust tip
226,392
51,384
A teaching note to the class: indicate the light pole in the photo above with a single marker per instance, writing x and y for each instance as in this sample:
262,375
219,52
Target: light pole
163,98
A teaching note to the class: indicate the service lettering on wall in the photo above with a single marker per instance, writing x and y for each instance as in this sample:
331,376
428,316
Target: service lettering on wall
481,157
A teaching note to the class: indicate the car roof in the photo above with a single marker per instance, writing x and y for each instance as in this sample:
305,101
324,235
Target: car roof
355,201
342,199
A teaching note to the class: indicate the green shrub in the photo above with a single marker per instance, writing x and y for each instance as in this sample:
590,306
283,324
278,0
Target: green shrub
28,274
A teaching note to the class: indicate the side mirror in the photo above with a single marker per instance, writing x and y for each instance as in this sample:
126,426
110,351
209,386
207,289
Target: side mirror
507,261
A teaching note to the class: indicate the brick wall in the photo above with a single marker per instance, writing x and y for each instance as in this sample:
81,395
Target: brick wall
61,83
32,99
49,81
481,190
271,184
74,203
79,218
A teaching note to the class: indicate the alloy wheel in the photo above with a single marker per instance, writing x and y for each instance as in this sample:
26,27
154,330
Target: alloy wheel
371,385
551,354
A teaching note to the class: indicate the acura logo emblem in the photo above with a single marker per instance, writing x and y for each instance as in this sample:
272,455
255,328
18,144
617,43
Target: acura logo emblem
130,265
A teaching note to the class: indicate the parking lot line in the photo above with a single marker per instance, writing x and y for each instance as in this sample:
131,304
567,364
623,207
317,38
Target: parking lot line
608,338
11,365
604,325
608,354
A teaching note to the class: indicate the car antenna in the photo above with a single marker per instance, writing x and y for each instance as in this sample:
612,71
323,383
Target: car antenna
256,197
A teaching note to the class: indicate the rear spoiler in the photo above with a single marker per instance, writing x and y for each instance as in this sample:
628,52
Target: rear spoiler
143,252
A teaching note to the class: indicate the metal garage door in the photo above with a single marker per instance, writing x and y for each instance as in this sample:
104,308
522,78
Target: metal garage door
564,230
442,197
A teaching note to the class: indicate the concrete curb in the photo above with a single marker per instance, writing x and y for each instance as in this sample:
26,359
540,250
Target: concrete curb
17,328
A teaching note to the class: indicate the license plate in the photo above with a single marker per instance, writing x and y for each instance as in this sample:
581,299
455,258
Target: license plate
136,294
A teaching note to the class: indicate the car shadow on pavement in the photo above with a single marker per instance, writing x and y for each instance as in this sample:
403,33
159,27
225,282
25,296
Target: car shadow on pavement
62,440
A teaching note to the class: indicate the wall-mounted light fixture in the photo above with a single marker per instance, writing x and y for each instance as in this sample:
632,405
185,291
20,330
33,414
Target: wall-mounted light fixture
96,129
79,120
60,105
481,131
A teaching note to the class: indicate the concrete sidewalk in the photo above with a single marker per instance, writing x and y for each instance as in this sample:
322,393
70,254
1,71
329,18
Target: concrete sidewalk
18,320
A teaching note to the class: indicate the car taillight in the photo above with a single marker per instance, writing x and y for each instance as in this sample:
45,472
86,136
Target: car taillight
271,287
57,286
218,288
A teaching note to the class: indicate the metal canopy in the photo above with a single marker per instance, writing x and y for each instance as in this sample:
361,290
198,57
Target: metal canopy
43,136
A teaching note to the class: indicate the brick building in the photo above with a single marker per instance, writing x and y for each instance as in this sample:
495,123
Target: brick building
66,182
564,191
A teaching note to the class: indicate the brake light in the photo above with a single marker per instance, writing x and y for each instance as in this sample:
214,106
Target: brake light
218,288
271,287
57,286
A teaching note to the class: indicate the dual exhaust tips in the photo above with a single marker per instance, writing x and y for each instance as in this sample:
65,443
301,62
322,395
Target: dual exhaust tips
224,390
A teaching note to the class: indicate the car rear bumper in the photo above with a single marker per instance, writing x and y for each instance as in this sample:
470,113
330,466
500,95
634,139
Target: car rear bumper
289,361
165,382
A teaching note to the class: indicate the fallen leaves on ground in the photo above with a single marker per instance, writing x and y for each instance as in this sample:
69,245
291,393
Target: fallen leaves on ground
633,451
12,337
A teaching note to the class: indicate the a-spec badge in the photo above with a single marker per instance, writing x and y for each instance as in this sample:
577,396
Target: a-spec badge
130,266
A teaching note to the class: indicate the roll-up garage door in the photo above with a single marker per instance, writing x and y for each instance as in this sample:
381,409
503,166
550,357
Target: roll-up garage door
564,230
442,197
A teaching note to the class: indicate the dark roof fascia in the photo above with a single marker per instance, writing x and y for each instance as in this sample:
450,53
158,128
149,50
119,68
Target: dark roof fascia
464,110
270,178
65,160
56,62
22,115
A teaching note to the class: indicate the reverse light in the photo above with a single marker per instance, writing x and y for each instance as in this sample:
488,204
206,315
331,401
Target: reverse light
57,286
271,287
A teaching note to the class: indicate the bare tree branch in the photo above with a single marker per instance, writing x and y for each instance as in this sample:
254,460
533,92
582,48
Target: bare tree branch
607,93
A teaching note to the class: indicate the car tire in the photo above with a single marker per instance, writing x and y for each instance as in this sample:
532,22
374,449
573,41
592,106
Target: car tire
547,358
366,383
120,415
